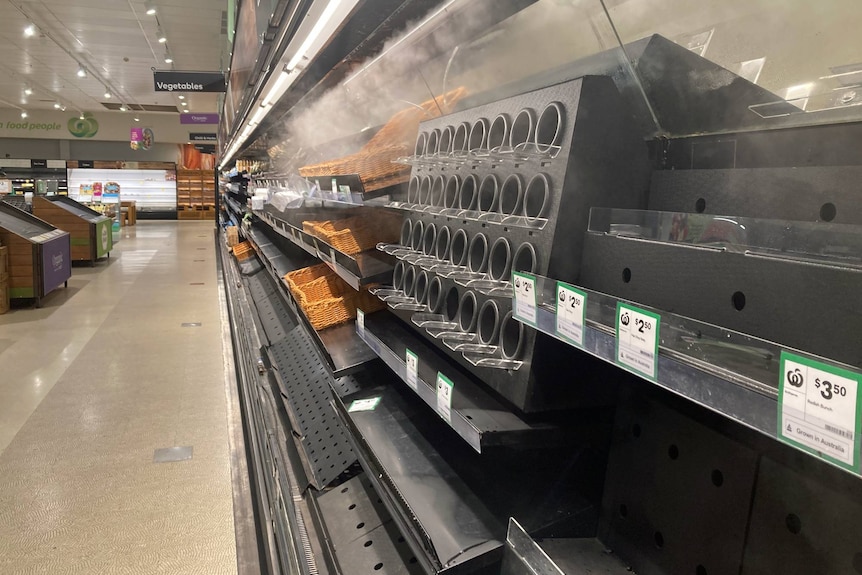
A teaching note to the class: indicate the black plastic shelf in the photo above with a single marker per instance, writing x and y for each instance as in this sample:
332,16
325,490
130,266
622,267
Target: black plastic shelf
524,556
357,270
480,419
342,350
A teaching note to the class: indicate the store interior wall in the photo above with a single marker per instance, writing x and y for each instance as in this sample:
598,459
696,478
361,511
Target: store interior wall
80,150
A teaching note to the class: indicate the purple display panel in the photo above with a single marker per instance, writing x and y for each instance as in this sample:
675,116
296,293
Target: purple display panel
56,262
198,118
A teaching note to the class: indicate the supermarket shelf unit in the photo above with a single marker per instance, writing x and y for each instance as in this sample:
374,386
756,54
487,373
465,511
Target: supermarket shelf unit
196,191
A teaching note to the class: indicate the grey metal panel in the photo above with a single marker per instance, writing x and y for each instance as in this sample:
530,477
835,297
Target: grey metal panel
677,495
273,316
306,385
804,523
785,301
364,538
774,193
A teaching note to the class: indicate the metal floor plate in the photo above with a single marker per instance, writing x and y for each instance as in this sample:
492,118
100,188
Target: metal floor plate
363,534
306,384
274,317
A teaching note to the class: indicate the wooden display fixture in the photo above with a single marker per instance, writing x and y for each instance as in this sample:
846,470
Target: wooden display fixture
195,195
90,232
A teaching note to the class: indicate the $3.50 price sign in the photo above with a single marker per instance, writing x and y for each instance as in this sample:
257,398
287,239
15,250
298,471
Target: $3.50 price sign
818,409
637,339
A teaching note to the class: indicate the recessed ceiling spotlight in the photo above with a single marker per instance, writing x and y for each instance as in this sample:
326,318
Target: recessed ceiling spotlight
183,104
150,8
182,97
56,105
28,91
23,113
82,72
137,119
30,30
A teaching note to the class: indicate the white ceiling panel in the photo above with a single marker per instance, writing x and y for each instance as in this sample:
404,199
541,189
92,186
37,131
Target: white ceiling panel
115,41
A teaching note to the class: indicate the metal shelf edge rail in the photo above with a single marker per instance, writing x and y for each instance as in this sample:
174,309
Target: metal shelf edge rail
273,524
474,415
733,374
330,343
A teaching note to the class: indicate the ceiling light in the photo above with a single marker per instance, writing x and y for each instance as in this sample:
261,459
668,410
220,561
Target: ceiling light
137,119
82,72
182,97
30,30
150,8
23,113
123,108
161,36
183,104
28,91
168,59
107,94
56,105
81,117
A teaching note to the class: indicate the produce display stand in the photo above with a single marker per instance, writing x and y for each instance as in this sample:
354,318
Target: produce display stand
90,231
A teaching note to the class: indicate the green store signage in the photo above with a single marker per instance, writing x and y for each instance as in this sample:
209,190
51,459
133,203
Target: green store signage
85,127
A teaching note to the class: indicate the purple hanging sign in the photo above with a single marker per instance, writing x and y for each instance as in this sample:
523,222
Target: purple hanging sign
198,118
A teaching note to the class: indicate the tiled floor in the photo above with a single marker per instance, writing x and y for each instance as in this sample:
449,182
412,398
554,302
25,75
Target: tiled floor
90,386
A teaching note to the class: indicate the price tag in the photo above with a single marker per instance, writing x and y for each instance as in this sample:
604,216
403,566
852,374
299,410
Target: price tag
525,297
412,362
571,308
444,396
369,404
360,321
818,409
637,339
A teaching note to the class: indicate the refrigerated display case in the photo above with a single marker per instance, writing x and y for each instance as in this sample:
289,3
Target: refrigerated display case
620,331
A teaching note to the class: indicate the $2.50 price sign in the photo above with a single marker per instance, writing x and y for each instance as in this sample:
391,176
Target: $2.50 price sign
818,409
525,296
637,339
571,307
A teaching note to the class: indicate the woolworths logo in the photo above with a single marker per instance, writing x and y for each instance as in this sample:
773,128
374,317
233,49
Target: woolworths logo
84,127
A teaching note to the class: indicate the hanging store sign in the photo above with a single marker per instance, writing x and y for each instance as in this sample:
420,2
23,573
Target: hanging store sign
168,81
38,163
202,137
198,118
85,163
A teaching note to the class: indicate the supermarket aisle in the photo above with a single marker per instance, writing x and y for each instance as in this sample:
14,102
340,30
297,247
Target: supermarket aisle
90,386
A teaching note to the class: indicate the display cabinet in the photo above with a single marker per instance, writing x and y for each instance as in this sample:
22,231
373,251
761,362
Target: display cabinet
618,329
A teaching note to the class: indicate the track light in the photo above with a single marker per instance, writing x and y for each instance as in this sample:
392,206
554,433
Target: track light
137,119
182,97
82,72
168,59
161,36
150,8
123,108
30,30
56,105
107,95
81,117
183,104
23,113
28,91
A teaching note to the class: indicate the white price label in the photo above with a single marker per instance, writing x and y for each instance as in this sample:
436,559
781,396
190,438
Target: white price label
444,396
818,409
412,366
637,339
360,321
369,404
571,308
525,296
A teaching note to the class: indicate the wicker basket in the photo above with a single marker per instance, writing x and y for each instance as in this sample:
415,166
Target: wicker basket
357,234
374,163
325,298
243,251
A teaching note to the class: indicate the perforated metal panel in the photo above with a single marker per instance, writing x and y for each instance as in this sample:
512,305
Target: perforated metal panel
365,539
677,495
274,317
305,386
